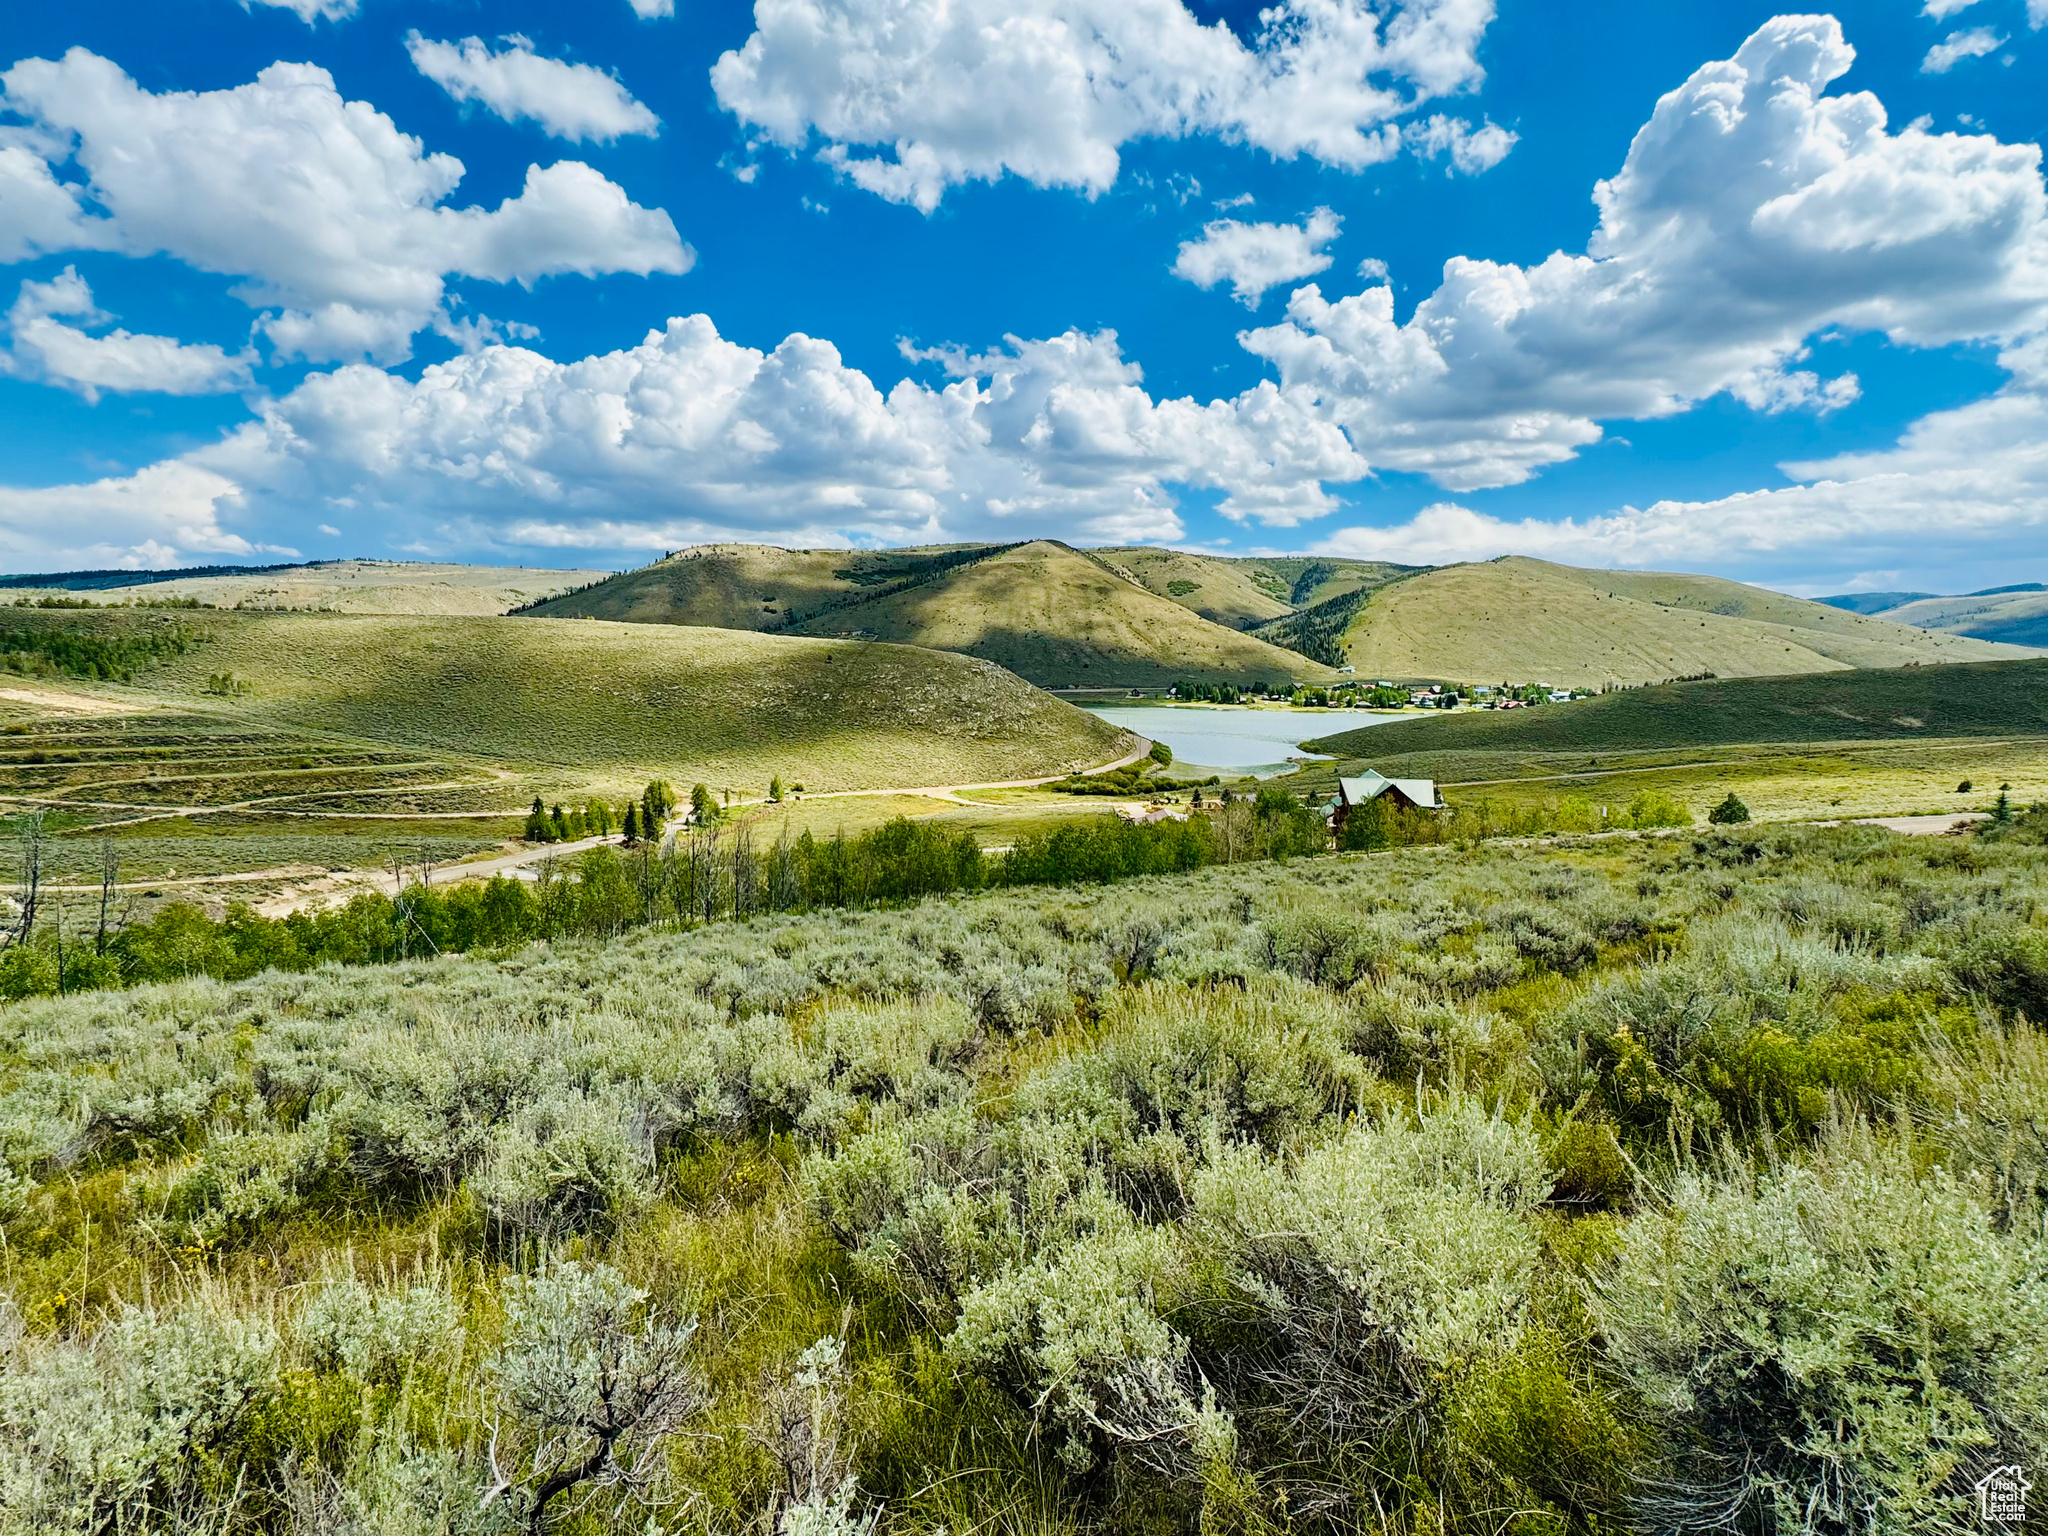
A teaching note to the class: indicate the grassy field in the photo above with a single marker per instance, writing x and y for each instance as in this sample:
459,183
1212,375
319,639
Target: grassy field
1058,616
354,586
1521,620
1449,1192
996,817
1867,742
359,734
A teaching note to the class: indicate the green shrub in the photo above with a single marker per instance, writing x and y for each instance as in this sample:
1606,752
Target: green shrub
1591,1171
2010,967
1730,812
1360,1283
128,1427
1652,808
1844,1347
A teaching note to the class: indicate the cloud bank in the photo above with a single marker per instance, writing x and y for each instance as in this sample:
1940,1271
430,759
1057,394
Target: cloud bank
911,99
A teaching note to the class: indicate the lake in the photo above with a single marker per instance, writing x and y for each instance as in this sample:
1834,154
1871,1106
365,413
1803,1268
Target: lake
1261,740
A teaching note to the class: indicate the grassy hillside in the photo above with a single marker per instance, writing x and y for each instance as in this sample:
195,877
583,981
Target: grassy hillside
2015,618
1872,602
1059,617
362,586
756,586
1308,580
1528,620
1906,703
629,701
1054,615
1220,590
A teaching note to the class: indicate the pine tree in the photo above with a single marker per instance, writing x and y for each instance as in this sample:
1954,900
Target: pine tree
2002,811
775,789
632,822
1729,812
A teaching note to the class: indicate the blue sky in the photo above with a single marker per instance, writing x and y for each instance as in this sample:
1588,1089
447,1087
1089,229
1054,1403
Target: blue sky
1104,270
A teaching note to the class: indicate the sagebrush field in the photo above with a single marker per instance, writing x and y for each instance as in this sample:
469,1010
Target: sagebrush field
1681,1182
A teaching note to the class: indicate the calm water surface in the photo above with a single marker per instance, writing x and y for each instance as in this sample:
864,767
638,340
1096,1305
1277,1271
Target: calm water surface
1217,736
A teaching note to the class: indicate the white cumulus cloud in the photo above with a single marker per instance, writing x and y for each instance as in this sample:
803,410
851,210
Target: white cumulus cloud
569,101
912,97
1957,46
1471,150
332,218
689,436
652,10
156,517
1255,257
44,347
1753,212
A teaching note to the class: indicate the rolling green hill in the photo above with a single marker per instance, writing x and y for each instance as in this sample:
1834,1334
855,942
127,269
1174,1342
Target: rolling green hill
1055,615
1520,620
621,700
1900,703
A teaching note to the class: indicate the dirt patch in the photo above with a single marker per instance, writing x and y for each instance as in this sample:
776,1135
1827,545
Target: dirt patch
65,703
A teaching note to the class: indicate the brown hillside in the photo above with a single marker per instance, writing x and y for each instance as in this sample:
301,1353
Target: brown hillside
1062,618
1052,614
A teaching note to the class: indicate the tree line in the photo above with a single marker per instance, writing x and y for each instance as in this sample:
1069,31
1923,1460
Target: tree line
712,874
100,658
717,871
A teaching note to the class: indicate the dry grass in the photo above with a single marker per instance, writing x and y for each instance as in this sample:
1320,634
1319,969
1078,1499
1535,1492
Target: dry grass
1526,620
1055,615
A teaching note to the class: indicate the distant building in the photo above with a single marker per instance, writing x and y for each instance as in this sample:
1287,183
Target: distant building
1560,696
1405,794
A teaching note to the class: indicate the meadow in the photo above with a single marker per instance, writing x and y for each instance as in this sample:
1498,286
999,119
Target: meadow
1680,1182
1864,743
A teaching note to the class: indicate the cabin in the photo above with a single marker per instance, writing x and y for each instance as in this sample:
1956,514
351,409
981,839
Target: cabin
1403,794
